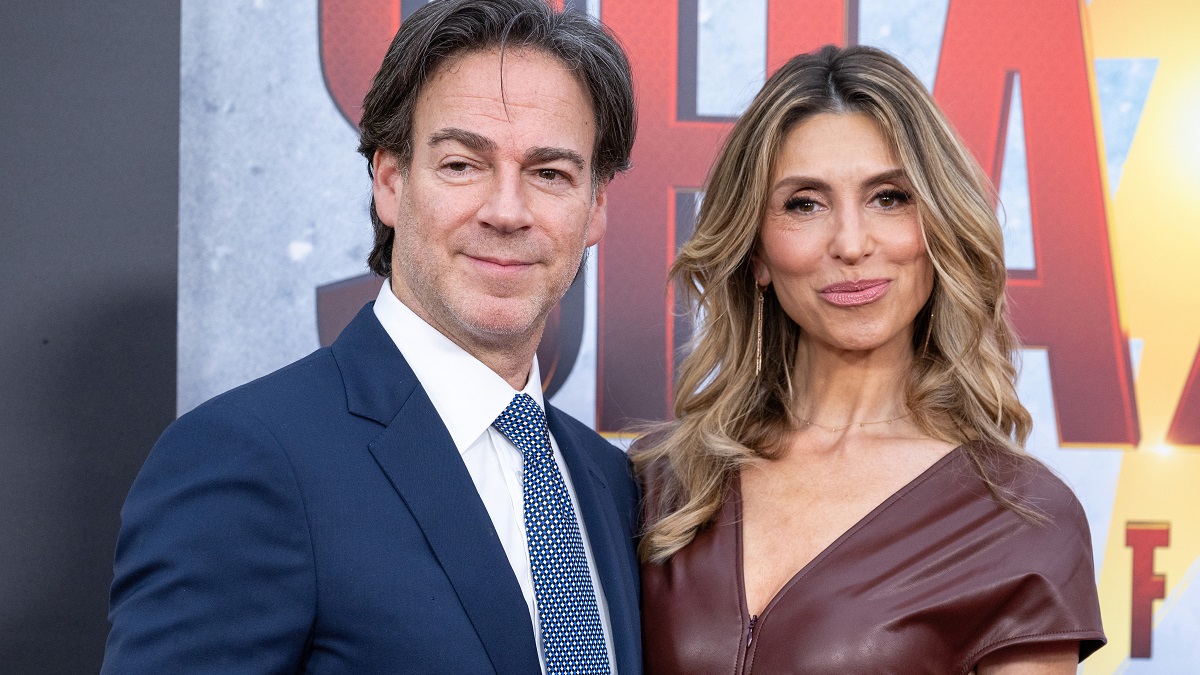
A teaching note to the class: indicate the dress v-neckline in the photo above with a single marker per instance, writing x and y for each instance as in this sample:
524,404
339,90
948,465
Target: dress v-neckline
736,497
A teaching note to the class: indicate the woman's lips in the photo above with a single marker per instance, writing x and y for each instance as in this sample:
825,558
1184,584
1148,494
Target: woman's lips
855,293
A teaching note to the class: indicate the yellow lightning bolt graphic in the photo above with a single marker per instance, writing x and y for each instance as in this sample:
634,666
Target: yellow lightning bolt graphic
1155,233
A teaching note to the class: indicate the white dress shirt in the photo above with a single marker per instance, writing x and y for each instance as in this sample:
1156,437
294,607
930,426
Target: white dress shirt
469,396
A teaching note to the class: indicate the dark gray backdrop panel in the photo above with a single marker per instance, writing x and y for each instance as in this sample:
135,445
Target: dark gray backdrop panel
89,117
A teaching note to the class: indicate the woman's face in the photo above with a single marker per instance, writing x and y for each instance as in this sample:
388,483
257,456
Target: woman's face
841,241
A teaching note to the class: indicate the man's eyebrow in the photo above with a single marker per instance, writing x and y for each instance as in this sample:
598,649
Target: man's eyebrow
470,139
544,155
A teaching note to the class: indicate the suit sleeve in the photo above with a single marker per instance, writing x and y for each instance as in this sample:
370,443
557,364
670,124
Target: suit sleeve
214,564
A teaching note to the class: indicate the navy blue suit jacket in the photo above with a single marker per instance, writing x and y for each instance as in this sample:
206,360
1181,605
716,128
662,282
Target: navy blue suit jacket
321,520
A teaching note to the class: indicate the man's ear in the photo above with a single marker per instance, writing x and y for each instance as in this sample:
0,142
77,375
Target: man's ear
386,186
599,220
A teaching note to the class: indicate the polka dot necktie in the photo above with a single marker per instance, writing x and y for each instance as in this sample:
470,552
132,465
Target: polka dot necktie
566,602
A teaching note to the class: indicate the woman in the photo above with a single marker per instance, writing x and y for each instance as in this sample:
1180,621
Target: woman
843,490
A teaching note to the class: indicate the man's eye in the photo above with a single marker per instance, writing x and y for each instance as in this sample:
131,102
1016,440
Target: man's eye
550,174
457,167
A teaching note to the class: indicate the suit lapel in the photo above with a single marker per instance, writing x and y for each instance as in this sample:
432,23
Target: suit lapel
418,456
611,547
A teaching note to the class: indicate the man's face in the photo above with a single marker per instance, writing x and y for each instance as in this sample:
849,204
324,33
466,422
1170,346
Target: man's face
493,214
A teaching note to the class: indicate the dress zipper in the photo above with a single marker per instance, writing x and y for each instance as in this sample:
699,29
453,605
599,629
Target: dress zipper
749,641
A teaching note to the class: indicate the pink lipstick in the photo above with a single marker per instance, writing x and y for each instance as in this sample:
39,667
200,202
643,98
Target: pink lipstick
855,293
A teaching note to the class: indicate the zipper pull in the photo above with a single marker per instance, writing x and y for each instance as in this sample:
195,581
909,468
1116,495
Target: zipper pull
750,631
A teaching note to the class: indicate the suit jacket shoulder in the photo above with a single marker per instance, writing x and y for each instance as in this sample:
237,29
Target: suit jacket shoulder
319,519
611,460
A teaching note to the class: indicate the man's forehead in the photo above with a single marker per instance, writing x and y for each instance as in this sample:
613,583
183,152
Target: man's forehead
504,64
472,102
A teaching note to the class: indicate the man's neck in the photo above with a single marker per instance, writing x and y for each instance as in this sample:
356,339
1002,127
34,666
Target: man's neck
515,370
510,357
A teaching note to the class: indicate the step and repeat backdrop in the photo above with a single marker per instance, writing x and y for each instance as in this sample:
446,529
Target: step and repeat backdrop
1084,114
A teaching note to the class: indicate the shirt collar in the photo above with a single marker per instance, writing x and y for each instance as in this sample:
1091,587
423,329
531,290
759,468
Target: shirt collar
467,394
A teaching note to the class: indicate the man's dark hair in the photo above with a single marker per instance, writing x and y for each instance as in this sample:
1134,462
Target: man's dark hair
449,28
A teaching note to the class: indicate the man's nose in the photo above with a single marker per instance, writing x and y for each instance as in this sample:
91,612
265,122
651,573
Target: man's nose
506,204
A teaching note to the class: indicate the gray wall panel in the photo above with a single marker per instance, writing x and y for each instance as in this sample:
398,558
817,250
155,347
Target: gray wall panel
89,114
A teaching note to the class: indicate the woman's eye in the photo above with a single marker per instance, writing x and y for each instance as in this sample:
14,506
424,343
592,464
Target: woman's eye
892,198
800,204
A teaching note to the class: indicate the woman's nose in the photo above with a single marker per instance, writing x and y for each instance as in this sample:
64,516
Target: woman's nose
851,240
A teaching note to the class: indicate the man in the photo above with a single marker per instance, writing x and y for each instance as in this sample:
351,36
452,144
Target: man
398,502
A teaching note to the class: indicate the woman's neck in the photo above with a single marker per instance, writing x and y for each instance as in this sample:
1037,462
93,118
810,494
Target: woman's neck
836,388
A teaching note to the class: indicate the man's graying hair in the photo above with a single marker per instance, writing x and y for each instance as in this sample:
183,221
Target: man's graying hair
450,28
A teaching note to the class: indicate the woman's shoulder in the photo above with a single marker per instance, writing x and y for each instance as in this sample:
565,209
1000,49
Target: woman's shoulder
1030,484
650,456
1043,574
652,468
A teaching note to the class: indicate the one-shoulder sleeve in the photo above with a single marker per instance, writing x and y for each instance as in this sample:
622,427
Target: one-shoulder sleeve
936,578
1043,586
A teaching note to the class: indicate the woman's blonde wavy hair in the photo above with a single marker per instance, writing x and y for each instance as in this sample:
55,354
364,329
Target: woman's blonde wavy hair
961,387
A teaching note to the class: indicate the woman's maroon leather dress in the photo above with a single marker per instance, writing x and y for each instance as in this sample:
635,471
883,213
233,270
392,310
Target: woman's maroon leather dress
931,581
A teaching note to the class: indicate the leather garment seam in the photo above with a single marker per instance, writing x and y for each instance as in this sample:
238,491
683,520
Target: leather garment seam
1067,635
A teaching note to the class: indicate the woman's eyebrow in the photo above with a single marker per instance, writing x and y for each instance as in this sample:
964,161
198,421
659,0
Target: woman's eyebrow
890,176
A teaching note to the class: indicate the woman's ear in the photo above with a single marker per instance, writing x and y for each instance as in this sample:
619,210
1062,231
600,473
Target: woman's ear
762,273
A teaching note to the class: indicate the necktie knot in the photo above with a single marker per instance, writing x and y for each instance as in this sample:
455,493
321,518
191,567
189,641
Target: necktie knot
524,425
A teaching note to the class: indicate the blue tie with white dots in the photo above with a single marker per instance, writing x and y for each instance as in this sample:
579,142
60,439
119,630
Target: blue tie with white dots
566,602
